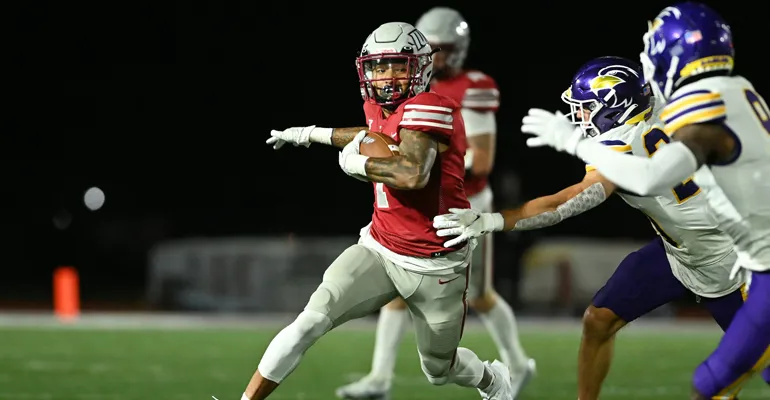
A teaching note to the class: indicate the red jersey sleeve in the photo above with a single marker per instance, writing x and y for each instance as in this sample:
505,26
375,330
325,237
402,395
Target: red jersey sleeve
430,112
482,93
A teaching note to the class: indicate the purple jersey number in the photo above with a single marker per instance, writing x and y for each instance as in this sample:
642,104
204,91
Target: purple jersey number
654,138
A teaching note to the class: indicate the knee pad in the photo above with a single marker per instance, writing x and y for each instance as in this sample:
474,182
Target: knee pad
437,371
311,325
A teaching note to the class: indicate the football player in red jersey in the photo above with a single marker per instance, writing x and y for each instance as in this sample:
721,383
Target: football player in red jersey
399,253
479,98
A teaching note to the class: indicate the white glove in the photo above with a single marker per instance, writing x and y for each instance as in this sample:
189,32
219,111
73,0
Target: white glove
466,224
300,136
744,261
551,129
351,161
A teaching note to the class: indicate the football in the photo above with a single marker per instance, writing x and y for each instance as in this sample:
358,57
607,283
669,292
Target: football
378,145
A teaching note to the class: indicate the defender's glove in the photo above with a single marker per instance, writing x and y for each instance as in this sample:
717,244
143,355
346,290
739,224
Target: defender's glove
466,224
551,129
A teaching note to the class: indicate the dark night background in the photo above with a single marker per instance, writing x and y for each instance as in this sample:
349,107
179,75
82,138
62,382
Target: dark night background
166,107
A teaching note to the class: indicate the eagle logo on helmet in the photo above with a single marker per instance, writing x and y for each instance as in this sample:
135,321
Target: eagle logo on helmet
658,46
604,82
670,12
667,12
609,77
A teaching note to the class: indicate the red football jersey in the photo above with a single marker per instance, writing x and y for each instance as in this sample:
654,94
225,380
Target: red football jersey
403,219
476,91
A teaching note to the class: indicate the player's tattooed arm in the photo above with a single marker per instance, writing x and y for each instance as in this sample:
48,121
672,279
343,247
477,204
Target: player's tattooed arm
342,136
410,169
550,210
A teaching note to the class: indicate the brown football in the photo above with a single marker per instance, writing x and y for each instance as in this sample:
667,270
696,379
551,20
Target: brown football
378,145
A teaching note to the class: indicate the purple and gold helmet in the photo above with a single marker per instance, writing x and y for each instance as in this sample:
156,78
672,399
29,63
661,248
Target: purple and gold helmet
605,93
683,41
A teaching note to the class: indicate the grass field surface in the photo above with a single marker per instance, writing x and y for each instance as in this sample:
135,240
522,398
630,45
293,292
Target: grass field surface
168,357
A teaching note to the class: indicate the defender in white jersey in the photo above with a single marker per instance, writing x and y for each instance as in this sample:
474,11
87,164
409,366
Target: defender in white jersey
717,120
612,105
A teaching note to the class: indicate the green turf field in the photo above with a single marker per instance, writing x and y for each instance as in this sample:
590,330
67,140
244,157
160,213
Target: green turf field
59,364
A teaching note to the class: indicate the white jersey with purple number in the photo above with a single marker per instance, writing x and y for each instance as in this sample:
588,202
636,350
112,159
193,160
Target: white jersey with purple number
701,255
745,178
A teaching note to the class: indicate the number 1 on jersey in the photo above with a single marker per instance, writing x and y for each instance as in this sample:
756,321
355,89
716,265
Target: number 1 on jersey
381,197
654,138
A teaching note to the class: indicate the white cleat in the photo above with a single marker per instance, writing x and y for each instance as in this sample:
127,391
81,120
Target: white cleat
367,388
501,386
520,381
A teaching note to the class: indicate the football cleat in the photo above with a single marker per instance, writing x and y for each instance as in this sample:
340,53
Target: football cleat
518,383
367,388
500,389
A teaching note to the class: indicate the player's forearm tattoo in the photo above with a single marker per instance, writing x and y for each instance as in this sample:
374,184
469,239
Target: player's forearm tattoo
589,198
342,136
411,169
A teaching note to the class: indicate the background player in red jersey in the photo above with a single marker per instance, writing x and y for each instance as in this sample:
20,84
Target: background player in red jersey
399,253
479,97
